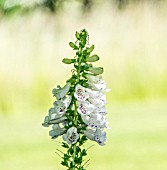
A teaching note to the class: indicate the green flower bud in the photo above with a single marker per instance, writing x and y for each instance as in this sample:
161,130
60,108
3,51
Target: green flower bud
93,58
68,61
96,70
77,35
89,50
72,45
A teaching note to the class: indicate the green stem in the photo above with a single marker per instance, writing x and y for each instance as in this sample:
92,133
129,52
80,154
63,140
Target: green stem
79,69
74,154
75,105
75,113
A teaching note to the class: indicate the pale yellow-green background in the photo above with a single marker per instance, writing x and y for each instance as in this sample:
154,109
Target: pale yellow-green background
132,44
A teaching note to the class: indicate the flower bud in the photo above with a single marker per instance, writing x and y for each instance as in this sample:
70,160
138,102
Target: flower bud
89,50
71,136
56,131
93,58
68,61
96,70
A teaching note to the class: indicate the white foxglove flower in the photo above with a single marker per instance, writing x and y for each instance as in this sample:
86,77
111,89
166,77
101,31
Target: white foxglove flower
67,101
99,101
60,93
90,134
80,93
97,121
71,136
86,119
93,93
96,82
60,107
101,86
94,79
48,121
101,110
56,131
85,108
98,136
58,120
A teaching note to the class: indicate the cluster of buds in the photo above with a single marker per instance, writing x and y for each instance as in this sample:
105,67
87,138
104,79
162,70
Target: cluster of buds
79,112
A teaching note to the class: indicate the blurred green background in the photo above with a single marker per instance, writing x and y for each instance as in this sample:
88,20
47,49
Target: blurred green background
131,39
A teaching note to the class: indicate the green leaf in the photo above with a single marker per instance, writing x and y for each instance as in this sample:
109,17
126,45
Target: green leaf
96,70
83,140
77,35
83,153
64,163
93,58
71,151
65,145
78,160
72,45
78,149
66,156
89,50
68,61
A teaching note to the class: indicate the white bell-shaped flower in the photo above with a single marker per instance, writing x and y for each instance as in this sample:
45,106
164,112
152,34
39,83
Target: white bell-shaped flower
86,119
97,121
93,93
100,137
99,101
101,110
80,93
94,79
71,136
60,108
90,134
96,135
100,86
85,108
67,101
56,131
96,82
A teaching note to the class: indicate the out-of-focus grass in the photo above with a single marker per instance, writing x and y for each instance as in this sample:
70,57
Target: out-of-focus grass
131,44
137,141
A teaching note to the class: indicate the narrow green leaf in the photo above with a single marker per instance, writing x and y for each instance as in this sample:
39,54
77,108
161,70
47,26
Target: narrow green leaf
64,163
65,145
83,153
70,151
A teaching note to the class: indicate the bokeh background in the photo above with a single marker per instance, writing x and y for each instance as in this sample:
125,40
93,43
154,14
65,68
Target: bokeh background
131,39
